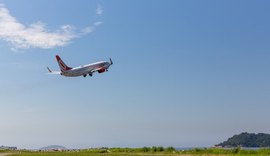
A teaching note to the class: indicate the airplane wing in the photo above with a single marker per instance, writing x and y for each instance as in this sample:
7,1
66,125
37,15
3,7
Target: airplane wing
95,70
53,72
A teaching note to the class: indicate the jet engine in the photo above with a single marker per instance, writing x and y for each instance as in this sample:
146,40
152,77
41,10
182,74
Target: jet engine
101,70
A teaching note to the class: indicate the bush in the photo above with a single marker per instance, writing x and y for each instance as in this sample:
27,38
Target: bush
154,149
236,150
160,149
146,149
170,149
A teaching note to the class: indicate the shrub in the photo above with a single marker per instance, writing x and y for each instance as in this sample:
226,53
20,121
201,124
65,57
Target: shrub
170,149
236,150
146,149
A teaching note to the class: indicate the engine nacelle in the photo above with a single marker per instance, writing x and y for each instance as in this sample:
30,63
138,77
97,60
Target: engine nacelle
101,70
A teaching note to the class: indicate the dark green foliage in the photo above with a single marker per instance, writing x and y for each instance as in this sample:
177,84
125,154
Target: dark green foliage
247,140
198,150
229,151
160,149
236,150
170,149
146,149
154,149
157,149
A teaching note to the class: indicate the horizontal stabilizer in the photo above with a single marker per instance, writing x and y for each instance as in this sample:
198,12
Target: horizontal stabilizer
53,72
49,69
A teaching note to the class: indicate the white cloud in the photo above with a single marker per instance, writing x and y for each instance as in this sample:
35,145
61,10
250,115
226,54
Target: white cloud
99,10
91,28
36,35
97,23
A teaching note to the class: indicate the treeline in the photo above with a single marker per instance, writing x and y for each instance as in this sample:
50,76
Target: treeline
164,151
172,150
133,150
147,151
228,151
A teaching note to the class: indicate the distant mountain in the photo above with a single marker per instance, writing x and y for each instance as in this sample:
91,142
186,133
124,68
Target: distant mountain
247,140
53,147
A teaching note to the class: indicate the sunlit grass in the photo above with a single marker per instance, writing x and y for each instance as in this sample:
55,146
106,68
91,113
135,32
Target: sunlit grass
153,151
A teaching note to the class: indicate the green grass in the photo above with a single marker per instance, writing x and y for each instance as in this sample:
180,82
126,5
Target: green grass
219,151
153,151
87,154
5,151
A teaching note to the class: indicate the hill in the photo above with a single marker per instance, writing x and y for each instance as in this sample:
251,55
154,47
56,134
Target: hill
247,140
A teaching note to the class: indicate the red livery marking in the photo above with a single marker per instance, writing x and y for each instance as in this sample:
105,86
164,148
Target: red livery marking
101,70
61,64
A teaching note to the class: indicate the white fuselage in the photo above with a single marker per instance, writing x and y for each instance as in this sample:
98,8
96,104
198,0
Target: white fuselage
86,69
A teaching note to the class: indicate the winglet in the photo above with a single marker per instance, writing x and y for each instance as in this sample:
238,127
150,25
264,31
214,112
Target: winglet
111,61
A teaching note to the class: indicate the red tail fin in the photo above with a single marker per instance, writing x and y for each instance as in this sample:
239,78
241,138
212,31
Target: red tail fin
62,65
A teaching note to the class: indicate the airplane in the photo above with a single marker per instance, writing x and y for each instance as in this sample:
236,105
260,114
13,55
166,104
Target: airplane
83,70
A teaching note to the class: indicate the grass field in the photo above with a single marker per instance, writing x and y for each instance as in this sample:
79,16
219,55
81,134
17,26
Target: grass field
147,152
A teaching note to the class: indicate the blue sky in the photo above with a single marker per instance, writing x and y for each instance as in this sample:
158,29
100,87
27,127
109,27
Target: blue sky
185,73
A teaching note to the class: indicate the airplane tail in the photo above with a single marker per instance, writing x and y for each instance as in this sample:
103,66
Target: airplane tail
62,65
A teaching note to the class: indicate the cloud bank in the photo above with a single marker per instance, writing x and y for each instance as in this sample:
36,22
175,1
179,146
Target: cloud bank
36,35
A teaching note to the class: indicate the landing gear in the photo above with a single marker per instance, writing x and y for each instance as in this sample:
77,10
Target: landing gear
84,75
90,74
